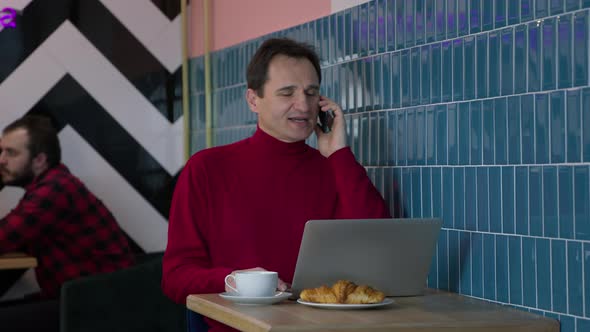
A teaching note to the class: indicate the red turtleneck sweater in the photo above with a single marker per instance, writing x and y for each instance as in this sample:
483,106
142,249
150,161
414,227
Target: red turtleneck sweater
245,204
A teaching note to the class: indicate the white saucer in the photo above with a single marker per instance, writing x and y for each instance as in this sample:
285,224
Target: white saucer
386,301
245,300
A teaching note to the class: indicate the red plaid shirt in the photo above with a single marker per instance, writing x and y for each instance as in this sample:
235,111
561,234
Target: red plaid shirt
67,228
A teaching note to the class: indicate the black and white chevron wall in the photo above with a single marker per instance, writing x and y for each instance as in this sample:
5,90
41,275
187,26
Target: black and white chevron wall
108,73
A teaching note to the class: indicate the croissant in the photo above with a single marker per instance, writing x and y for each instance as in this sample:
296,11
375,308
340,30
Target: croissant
364,295
343,291
318,295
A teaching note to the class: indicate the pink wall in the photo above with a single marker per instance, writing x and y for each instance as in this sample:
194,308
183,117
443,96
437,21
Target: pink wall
234,21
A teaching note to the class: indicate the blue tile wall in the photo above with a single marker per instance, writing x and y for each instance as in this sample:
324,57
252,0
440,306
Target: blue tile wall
474,111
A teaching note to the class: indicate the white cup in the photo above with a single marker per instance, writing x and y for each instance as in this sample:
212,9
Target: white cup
254,283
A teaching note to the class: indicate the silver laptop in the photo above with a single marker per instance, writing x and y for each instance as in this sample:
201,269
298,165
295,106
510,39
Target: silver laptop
391,255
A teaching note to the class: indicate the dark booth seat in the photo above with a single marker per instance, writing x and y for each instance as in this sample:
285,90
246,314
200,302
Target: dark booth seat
126,300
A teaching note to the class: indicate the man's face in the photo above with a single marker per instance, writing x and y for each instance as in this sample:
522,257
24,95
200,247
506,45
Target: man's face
289,109
15,160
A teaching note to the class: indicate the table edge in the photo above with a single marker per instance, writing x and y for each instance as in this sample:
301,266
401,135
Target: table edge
17,262
214,311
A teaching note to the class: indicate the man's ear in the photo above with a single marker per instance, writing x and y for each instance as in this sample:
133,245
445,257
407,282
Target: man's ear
252,100
39,163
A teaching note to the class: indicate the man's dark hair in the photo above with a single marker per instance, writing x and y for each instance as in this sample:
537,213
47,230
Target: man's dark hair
42,137
257,72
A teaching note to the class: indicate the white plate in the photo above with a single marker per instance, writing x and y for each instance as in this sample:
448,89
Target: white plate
278,297
385,302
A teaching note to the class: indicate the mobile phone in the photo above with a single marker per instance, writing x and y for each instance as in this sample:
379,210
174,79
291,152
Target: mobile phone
326,120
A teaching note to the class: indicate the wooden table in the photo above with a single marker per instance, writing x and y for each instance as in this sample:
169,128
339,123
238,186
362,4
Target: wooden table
435,311
16,261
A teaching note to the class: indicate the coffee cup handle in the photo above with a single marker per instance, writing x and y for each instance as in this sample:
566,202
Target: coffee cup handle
227,283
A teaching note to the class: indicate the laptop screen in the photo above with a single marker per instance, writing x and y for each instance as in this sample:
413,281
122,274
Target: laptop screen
391,255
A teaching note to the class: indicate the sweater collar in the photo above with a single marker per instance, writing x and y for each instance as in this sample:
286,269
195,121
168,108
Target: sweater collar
268,143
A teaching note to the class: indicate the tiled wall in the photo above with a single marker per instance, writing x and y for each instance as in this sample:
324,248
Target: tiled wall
480,110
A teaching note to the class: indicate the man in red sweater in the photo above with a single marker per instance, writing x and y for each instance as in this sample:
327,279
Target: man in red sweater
244,205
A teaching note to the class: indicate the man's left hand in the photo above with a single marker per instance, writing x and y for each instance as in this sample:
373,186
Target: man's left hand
335,140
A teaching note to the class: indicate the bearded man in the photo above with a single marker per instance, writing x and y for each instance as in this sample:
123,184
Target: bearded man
58,221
